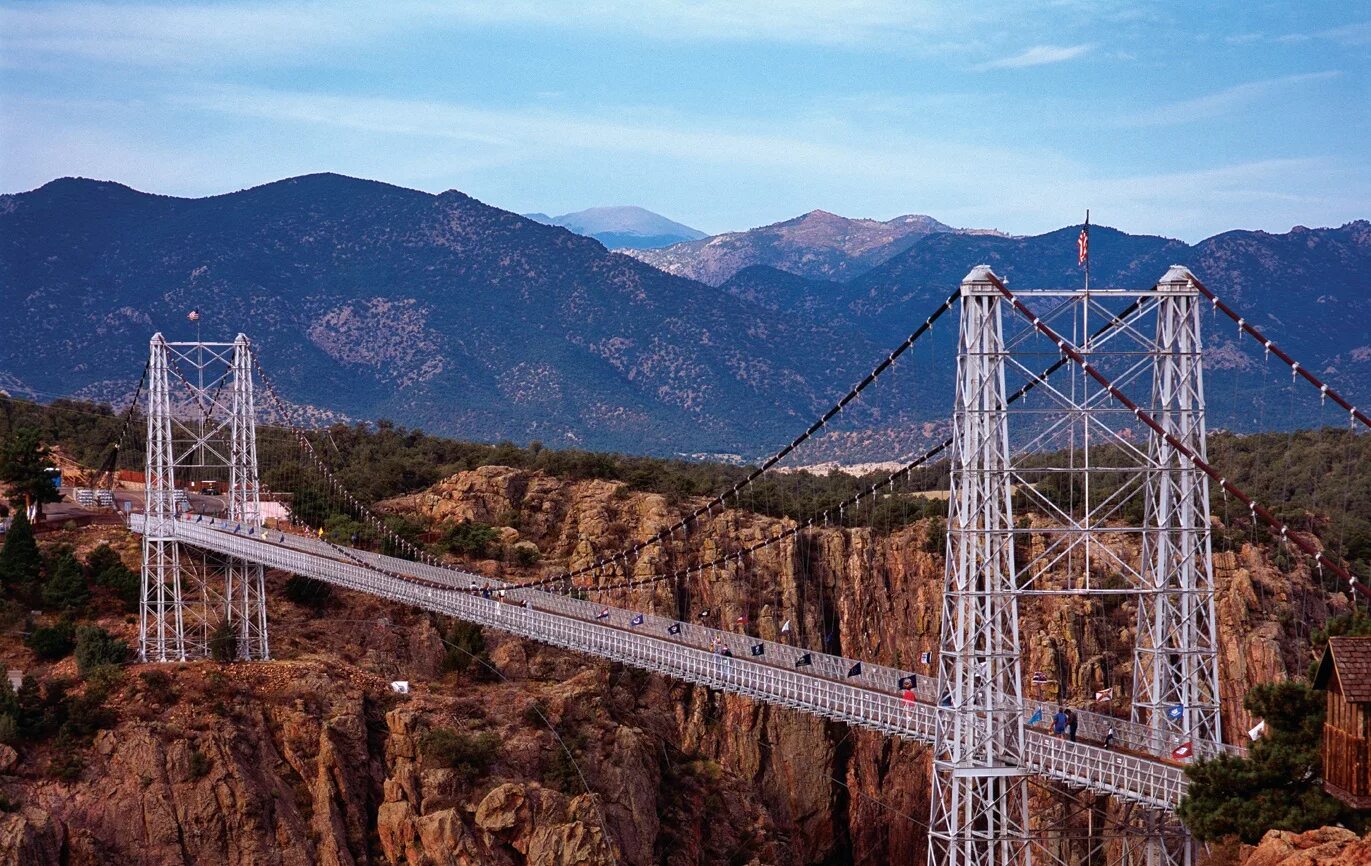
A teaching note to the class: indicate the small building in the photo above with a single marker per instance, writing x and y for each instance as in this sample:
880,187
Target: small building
1344,673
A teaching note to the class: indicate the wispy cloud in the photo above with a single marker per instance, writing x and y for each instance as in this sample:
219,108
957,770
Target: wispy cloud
292,31
1039,55
1222,102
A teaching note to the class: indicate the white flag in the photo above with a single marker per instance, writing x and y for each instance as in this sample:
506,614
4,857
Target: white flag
1105,694
785,627
1258,730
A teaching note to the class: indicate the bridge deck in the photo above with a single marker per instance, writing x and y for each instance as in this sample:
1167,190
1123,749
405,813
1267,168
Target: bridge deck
869,700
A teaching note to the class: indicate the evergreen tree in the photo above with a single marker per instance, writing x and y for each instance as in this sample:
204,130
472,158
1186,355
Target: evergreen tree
24,460
20,562
1278,786
96,647
66,589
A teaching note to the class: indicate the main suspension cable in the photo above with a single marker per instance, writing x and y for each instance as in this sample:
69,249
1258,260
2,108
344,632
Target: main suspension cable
1295,368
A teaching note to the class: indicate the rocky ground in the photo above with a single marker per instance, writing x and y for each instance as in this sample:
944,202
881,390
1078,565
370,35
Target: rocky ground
313,759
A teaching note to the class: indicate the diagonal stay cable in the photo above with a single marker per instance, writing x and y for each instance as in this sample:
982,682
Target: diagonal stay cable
1295,367
111,460
1074,355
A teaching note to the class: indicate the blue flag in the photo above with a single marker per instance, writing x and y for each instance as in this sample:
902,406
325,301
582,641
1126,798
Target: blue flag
637,620
1037,716
1175,713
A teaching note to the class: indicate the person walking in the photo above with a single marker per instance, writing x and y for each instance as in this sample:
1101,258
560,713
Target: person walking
1071,722
1059,722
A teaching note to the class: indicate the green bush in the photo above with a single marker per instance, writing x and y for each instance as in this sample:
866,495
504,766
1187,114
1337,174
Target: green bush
466,651
157,685
198,764
469,754
308,592
65,589
470,539
96,647
526,553
223,642
54,642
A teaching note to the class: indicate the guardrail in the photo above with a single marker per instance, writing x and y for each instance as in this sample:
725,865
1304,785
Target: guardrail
822,687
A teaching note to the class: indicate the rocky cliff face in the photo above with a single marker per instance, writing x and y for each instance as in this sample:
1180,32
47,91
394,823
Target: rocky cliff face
312,759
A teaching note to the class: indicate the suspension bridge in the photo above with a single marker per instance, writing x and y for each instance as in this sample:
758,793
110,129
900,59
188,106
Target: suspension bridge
1077,405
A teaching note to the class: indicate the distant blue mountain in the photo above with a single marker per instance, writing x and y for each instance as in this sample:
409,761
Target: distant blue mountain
625,227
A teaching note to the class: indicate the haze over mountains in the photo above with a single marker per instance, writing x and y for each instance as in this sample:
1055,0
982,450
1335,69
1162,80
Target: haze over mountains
625,227
442,312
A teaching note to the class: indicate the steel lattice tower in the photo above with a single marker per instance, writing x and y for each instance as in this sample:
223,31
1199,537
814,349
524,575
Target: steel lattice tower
245,588
161,629
186,592
979,803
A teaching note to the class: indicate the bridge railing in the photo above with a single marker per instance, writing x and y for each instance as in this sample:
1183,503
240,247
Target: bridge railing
1134,777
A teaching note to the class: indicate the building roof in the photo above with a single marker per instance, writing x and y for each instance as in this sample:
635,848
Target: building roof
1351,658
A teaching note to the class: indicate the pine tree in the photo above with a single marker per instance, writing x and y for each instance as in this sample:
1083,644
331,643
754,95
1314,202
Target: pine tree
24,460
66,589
20,563
1278,786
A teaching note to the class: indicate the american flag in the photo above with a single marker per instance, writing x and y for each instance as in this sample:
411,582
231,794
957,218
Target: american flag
1083,242
194,315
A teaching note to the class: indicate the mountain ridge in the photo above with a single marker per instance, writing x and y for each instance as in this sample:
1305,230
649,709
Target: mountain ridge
622,226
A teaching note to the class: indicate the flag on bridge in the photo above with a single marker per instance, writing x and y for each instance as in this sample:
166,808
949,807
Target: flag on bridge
1083,243
637,620
1183,751
1256,732
855,670
704,614
674,628
907,682
1040,678
758,649
1175,713
1036,717
804,661
925,658
603,614
785,627
193,315
742,619
1105,694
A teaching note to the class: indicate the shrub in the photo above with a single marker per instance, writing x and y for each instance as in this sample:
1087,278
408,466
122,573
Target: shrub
96,647
470,539
308,592
526,553
469,754
51,643
101,559
198,764
66,589
157,686
466,645
9,729
223,642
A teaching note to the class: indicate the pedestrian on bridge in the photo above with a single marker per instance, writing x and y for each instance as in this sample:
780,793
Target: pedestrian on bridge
1071,722
1059,722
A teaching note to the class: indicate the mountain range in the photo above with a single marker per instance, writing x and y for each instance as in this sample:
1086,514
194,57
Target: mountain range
625,227
818,245
369,301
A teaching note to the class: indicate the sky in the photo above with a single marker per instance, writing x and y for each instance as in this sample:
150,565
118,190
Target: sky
1182,119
